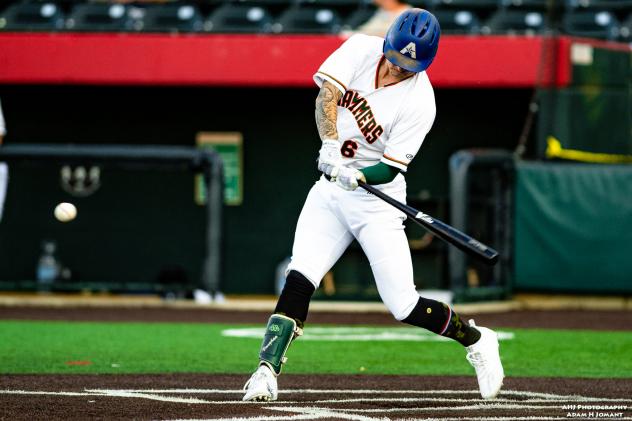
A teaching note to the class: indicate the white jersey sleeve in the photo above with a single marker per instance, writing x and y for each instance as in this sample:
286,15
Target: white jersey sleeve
340,67
3,129
409,130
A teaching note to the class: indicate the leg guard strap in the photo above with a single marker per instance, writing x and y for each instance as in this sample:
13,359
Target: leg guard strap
280,332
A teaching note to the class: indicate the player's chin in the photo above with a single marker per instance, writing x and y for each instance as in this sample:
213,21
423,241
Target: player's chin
399,72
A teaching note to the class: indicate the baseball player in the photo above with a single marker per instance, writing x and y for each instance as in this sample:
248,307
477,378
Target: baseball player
374,108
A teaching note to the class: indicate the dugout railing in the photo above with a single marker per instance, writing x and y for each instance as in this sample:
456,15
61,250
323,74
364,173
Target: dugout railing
143,157
481,199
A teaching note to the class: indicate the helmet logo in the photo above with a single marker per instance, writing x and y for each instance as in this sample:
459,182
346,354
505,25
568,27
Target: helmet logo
410,49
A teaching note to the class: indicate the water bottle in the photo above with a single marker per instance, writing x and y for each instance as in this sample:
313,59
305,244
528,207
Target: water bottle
47,266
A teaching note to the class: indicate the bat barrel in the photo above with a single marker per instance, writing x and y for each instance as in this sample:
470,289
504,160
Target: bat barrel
442,230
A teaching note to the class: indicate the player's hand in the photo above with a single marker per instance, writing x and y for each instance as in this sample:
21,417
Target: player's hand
329,170
329,155
347,178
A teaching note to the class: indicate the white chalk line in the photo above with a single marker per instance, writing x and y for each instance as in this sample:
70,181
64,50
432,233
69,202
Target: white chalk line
257,418
158,394
507,418
457,408
536,400
37,392
531,397
510,399
152,397
525,393
305,413
492,418
353,333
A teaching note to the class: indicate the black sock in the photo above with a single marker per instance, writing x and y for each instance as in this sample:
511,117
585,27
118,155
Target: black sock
295,297
460,330
439,318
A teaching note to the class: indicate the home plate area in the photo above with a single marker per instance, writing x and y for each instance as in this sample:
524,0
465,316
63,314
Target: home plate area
381,398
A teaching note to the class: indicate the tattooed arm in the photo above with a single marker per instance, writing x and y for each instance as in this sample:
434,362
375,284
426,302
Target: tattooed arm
329,156
327,111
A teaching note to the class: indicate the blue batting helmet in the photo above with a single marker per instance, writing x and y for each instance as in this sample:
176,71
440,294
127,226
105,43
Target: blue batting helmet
412,40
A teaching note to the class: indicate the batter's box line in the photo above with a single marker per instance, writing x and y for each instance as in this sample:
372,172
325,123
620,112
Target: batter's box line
531,397
477,406
327,412
311,413
421,399
488,418
157,394
549,398
522,393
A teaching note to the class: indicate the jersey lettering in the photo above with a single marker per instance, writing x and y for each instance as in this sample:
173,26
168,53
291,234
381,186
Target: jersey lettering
345,101
368,128
355,101
375,134
410,49
363,114
364,117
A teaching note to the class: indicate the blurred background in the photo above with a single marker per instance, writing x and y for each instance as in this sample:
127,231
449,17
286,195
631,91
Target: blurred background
122,108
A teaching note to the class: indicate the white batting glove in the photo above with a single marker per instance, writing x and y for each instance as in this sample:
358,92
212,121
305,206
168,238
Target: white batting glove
347,178
329,155
330,170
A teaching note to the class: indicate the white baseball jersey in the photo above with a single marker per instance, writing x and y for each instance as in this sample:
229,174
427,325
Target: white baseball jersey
386,124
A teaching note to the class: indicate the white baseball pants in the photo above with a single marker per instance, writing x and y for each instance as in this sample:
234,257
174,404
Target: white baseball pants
332,217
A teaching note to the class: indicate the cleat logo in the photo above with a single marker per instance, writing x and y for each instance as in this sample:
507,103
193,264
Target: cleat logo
410,49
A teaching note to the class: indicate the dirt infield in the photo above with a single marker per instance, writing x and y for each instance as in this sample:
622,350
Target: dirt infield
553,319
315,397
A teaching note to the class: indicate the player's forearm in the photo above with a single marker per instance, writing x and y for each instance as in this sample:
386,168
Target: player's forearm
379,173
327,111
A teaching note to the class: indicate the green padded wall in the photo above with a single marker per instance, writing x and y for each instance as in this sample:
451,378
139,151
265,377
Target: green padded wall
573,227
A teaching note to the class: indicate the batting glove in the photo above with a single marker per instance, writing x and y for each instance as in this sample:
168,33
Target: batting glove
347,178
329,155
330,170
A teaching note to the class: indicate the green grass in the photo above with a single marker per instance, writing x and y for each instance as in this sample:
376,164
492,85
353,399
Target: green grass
48,347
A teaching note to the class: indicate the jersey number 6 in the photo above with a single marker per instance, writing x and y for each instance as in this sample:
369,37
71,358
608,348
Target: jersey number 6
348,148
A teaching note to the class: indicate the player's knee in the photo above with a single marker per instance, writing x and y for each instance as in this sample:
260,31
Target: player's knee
297,270
295,297
297,283
401,308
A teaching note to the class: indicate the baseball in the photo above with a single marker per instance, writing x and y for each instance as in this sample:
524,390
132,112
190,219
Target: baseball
65,212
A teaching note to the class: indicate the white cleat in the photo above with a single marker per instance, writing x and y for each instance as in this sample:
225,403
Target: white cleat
262,386
485,358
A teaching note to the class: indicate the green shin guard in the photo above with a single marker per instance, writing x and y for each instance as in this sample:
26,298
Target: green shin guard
280,332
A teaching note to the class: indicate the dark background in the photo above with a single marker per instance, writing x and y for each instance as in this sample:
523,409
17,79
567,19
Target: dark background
165,227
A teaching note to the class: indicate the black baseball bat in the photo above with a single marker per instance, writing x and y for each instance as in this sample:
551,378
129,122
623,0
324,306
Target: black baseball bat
442,230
